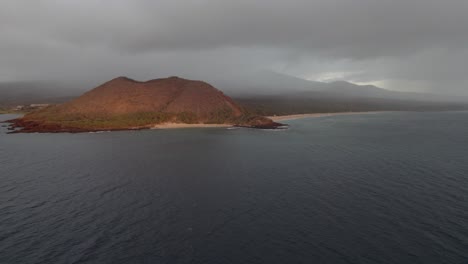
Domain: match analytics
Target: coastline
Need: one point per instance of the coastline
(32, 127)
(300, 116)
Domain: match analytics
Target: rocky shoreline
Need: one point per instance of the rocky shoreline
(21, 125)
(26, 126)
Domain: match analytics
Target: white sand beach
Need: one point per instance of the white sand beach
(181, 125)
(299, 116)
(274, 118)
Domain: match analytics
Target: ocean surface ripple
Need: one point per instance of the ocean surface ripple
(370, 188)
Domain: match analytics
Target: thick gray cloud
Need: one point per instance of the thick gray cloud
(400, 44)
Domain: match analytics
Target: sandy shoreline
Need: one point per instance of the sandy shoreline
(299, 116)
(274, 118)
(180, 125)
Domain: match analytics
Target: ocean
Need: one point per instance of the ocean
(365, 188)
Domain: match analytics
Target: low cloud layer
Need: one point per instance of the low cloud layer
(399, 44)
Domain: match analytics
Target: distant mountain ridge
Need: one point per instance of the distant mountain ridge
(262, 83)
(268, 83)
(261, 93)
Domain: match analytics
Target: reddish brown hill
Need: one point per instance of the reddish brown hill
(123, 103)
(171, 95)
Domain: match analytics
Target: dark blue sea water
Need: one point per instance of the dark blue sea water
(371, 188)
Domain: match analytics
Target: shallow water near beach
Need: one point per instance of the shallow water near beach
(366, 188)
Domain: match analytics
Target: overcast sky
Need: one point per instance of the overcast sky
(398, 44)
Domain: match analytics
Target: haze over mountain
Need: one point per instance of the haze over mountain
(417, 45)
(18, 93)
(268, 83)
(259, 85)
